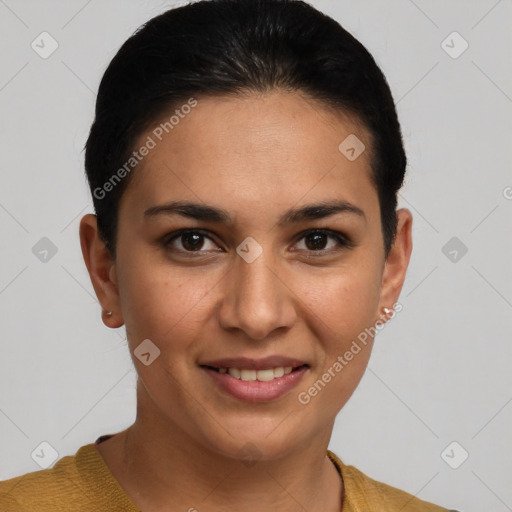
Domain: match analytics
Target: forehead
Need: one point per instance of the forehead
(252, 149)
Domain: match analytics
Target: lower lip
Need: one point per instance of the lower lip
(257, 391)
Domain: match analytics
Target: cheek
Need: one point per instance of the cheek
(166, 304)
(341, 305)
(342, 352)
(344, 299)
(166, 308)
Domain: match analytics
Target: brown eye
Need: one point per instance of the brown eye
(190, 241)
(318, 240)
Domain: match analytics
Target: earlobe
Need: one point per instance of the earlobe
(397, 261)
(101, 268)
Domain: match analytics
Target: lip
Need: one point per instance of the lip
(256, 391)
(254, 364)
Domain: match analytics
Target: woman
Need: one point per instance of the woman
(244, 164)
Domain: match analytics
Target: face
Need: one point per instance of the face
(258, 273)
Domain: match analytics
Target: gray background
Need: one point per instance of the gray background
(440, 371)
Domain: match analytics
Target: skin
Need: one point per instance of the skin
(256, 156)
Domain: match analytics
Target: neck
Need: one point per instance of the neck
(164, 468)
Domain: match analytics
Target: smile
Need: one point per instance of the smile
(255, 385)
(249, 375)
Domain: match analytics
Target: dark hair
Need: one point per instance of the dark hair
(229, 47)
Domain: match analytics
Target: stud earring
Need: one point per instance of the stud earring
(387, 314)
(107, 313)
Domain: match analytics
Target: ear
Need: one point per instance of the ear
(397, 261)
(102, 270)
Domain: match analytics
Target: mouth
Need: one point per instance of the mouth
(251, 375)
(251, 385)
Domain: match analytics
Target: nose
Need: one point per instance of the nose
(257, 299)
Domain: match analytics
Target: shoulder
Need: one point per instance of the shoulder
(362, 493)
(75, 483)
(44, 489)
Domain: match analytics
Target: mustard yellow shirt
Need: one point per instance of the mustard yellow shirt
(84, 483)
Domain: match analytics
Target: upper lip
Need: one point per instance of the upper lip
(254, 364)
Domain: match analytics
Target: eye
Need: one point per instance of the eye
(317, 239)
(197, 241)
(190, 241)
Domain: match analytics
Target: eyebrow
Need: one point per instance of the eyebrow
(213, 214)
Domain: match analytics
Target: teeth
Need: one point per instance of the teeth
(264, 375)
(234, 372)
(248, 375)
(261, 375)
(278, 372)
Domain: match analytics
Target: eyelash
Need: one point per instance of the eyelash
(342, 240)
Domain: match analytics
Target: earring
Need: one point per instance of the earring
(107, 313)
(387, 314)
